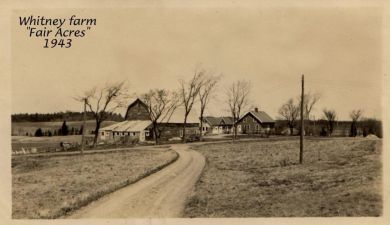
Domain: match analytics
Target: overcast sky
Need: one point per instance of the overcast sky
(338, 50)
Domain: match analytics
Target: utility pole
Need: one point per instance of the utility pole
(84, 128)
(302, 130)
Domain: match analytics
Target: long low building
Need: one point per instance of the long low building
(132, 128)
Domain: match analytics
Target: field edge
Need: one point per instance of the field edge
(68, 210)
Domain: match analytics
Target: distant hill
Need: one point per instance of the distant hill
(59, 116)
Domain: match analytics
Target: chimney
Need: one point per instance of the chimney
(256, 109)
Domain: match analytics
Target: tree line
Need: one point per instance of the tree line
(289, 112)
(60, 116)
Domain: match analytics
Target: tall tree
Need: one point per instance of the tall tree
(290, 111)
(237, 96)
(103, 101)
(161, 105)
(330, 115)
(355, 115)
(188, 92)
(205, 93)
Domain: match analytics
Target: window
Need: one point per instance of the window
(147, 133)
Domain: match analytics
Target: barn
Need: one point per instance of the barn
(138, 125)
(255, 122)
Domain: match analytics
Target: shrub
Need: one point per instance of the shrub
(38, 133)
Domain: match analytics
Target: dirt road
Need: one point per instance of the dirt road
(162, 194)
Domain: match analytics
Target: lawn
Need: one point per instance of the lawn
(52, 186)
(339, 177)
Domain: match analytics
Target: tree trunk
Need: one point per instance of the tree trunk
(291, 130)
(201, 127)
(184, 128)
(155, 135)
(98, 122)
(330, 128)
(234, 129)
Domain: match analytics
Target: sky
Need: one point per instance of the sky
(337, 49)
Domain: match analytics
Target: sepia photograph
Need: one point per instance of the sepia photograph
(196, 112)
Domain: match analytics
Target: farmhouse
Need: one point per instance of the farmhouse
(217, 125)
(137, 125)
(255, 122)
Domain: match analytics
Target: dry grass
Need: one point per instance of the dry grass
(20, 128)
(43, 144)
(340, 177)
(52, 186)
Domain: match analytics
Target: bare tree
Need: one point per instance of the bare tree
(205, 93)
(310, 99)
(330, 116)
(290, 111)
(237, 99)
(355, 115)
(103, 101)
(161, 105)
(188, 92)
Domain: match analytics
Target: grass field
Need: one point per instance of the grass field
(51, 186)
(339, 177)
(43, 144)
(21, 128)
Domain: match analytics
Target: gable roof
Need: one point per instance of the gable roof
(228, 120)
(128, 126)
(215, 121)
(136, 101)
(261, 116)
(212, 121)
(177, 116)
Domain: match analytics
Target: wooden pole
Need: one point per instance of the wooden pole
(302, 130)
(84, 128)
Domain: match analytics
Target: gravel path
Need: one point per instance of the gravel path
(162, 194)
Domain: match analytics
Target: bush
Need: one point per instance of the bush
(372, 126)
(38, 133)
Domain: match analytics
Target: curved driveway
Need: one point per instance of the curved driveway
(162, 194)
